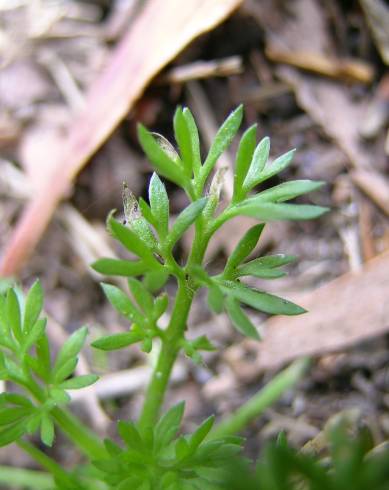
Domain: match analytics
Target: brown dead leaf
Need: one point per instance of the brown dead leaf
(161, 31)
(341, 313)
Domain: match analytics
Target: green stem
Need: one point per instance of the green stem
(171, 341)
(45, 461)
(220, 219)
(200, 244)
(13, 477)
(262, 400)
(167, 357)
(86, 440)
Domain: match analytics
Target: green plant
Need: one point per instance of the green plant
(152, 456)
(352, 463)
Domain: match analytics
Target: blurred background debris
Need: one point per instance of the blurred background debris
(76, 77)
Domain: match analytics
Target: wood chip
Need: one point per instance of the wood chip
(203, 69)
(377, 14)
(375, 185)
(340, 69)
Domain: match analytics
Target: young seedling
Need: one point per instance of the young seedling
(152, 455)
